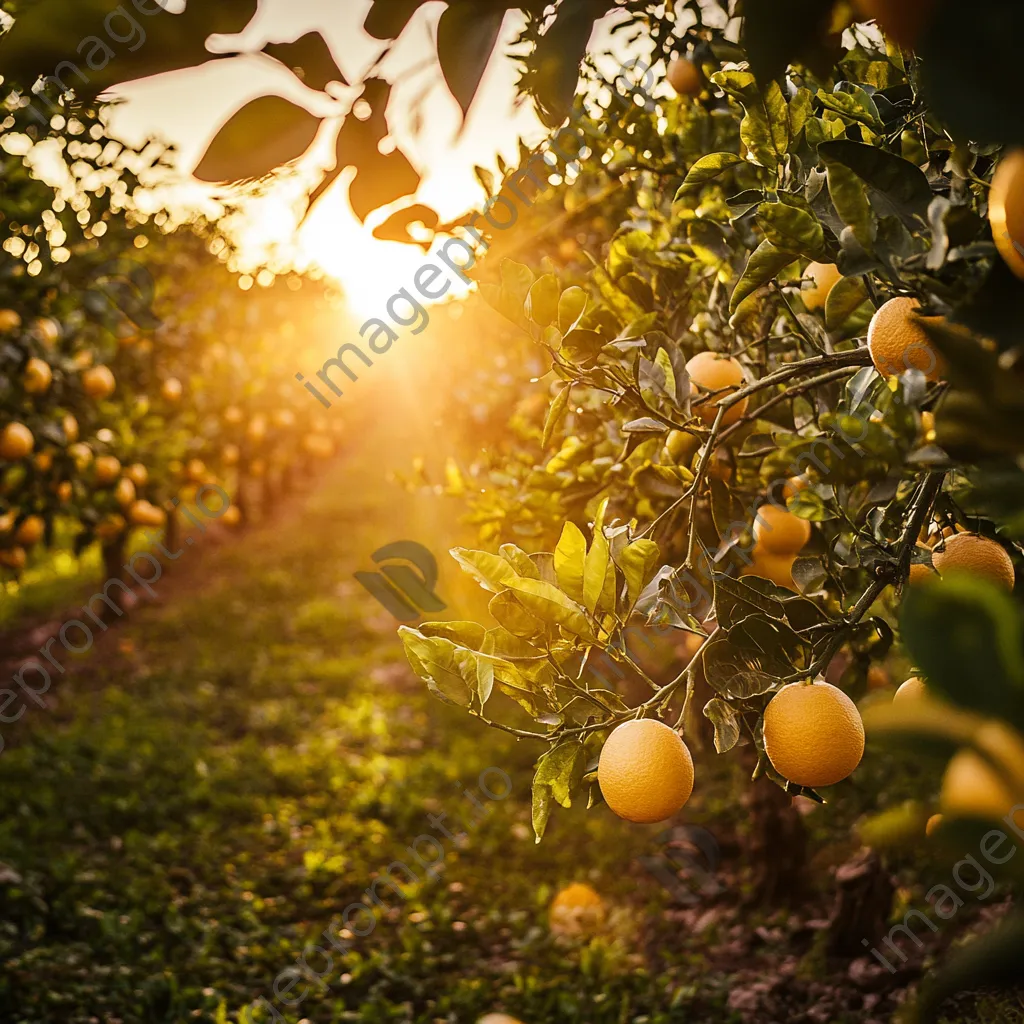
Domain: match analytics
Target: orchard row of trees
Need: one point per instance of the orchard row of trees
(133, 368)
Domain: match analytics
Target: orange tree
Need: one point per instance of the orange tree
(785, 386)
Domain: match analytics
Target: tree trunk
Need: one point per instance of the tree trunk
(863, 905)
(778, 844)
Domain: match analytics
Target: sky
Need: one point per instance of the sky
(187, 107)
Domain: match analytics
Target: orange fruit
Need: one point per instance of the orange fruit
(46, 330)
(878, 678)
(794, 485)
(777, 568)
(30, 531)
(897, 341)
(824, 276)
(813, 734)
(576, 910)
(9, 321)
(13, 558)
(497, 1018)
(137, 473)
(974, 787)
(932, 825)
(38, 376)
(81, 453)
(778, 532)
(98, 382)
(16, 442)
(903, 20)
(914, 689)
(43, 461)
(108, 469)
(7, 520)
(124, 493)
(1006, 210)
(171, 389)
(64, 491)
(110, 527)
(684, 76)
(979, 556)
(645, 771)
(681, 446)
(720, 375)
(145, 513)
(70, 427)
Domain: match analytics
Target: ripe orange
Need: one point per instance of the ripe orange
(13, 558)
(778, 532)
(108, 469)
(904, 20)
(30, 531)
(720, 375)
(64, 491)
(81, 453)
(98, 382)
(932, 825)
(7, 520)
(794, 485)
(920, 571)
(144, 513)
(681, 446)
(974, 788)
(897, 341)
(979, 556)
(38, 376)
(9, 321)
(777, 568)
(171, 389)
(124, 493)
(1006, 209)
(137, 473)
(497, 1018)
(914, 689)
(684, 76)
(16, 442)
(645, 771)
(70, 427)
(43, 461)
(824, 276)
(576, 910)
(46, 330)
(878, 678)
(813, 734)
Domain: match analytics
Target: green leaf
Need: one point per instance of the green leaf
(541, 810)
(597, 566)
(735, 599)
(764, 263)
(845, 297)
(706, 169)
(898, 185)
(966, 637)
(808, 504)
(571, 306)
(542, 300)
(791, 227)
(519, 560)
(466, 34)
(442, 665)
(561, 769)
(764, 129)
(466, 634)
(637, 562)
(549, 604)
(555, 413)
(799, 111)
(509, 613)
(570, 556)
(856, 104)
(726, 723)
(492, 572)
(581, 346)
(850, 198)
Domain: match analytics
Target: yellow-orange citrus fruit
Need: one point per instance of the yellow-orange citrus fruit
(110, 527)
(30, 531)
(81, 453)
(497, 1018)
(681, 446)
(897, 341)
(824, 276)
(903, 20)
(124, 493)
(38, 376)
(144, 513)
(13, 558)
(813, 734)
(1006, 210)
(777, 568)
(972, 787)
(46, 330)
(778, 532)
(99, 382)
(16, 442)
(83, 359)
(576, 910)
(684, 77)
(7, 520)
(920, 572)
(43, 461)
(932, 824)
(913, 689)
(171, 389)
(794, 485)
(108, 469)
(70, 427)
(645, 771)
(137, 473)
(9, 321)
(979, 556)
(64, 491)
(715, 373)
